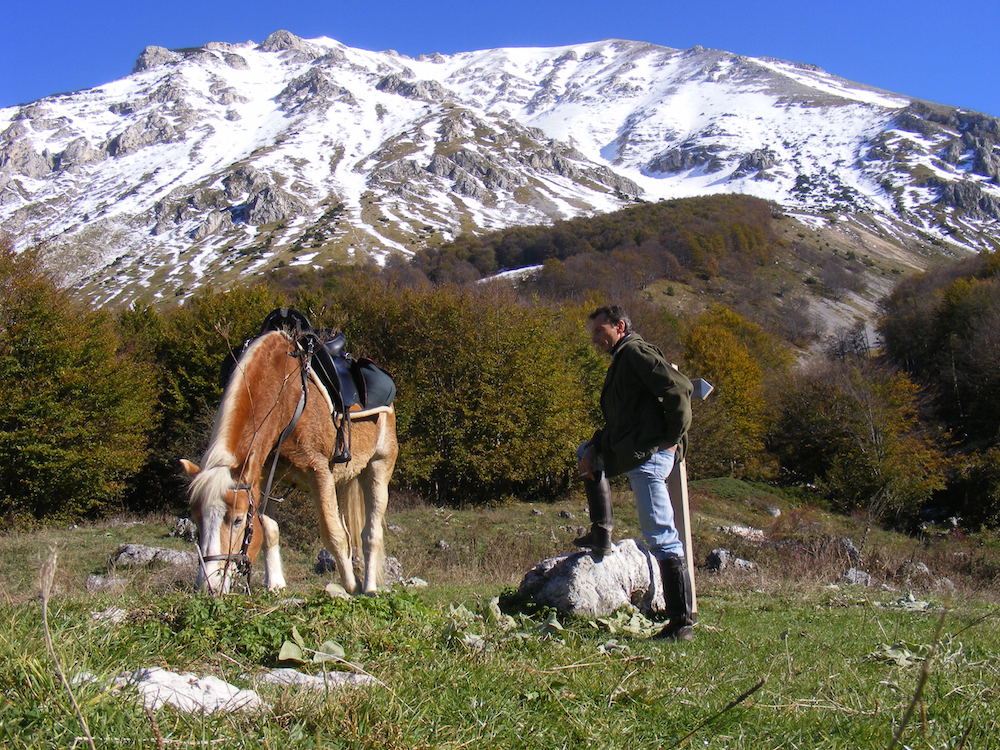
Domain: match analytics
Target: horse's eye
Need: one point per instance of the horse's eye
(237, 522)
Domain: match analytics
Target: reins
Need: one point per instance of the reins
(242, 559)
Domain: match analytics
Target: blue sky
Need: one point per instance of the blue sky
(922, 48)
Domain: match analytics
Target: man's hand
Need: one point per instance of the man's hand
(587, 465)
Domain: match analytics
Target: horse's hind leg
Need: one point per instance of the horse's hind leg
(274, 575)
(331, 526)
(375, 487)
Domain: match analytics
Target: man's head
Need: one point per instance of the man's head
(607, 326)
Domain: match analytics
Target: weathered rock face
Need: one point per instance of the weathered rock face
(312, 90)
(151, 129)
(78, 152)
(269, 205)
(578, 584)
(755, 162)
(281, 40)
(970, 198)
(20, 158)
(291, 47)
(425, 90)
(682, 159)
(243, 181)
(153, 56)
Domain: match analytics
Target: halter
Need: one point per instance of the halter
(242, 558)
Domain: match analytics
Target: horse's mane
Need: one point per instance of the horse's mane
(219, 460)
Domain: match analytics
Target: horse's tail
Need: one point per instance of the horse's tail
(352, 510)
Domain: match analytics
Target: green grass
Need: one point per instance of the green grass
(839, 665)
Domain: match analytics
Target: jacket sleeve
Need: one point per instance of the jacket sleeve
(669, 387)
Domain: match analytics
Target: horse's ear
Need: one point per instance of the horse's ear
(189, 468)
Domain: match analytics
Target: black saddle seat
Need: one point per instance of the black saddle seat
(349, 381)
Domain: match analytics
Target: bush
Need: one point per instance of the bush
(493, 395)
(739, 359)
(75, 409)
(188, 344)
(853, 430)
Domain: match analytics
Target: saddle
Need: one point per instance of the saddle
(352, 384)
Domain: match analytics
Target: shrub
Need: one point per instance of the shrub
(493, 395)
(738, 358)
(853, 429)
(188, 343)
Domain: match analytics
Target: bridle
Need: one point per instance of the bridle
(241, 559)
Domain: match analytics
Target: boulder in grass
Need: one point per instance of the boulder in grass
(857, 577)
(139, 555)
(579, 583)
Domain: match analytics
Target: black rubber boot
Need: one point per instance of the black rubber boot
(676, 593)
(598, 539)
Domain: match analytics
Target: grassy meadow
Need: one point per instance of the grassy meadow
(782, 658)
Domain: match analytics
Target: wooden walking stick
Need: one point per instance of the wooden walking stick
(677, 486)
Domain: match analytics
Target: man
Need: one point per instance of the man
(646, 405)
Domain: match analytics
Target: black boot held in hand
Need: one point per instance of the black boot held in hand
(676, 594)
(598, 539)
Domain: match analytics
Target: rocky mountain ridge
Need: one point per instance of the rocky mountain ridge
(211, 163)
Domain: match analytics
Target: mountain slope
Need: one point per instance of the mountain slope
(212, 163)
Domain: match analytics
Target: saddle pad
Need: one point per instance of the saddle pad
(379, 386)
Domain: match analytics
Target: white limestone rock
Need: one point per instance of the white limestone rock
(578, 583)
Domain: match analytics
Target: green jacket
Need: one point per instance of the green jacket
(646, 405)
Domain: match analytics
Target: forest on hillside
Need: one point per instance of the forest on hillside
(497, 383)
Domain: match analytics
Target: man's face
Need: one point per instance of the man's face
(604, 334)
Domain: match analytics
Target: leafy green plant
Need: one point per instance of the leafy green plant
(296, 650)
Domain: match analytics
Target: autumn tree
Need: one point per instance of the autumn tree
(75, 408)
(187, 344)
(739, 358)
(852, 428)
(493, 395)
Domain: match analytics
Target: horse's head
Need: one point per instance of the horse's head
(221, 508)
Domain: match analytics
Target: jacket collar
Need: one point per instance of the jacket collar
(621, 342)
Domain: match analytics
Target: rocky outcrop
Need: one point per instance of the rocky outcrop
(215, 222)
(313, 90)
(424, 90)
(464, 163)
(238, 62)
(77, 152)
(755, 162)
(243, 181)
(21, 158)
(281, 40)
(153, 128)
(681, 159)
(291, 47)
(970, 198)
(269, 205)
(153, 56)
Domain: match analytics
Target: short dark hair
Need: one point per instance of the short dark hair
(614, 314)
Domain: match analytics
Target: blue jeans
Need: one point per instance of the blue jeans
(652, 501)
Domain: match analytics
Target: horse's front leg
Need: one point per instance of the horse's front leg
(274, 574)
(331, 525)
(375, 487)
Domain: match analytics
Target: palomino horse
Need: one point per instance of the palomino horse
(260, 401)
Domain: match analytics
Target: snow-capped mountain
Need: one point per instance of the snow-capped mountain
(209, 163)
